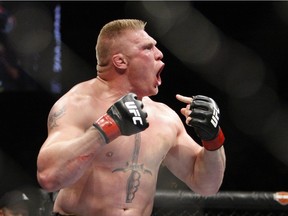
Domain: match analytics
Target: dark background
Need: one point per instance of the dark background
(251, 165)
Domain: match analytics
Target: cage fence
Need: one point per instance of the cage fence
(232, 203)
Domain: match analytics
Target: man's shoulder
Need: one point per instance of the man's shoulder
(79, 88)
(79, 93)
(82, 86)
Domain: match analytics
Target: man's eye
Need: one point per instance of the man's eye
(149, 47)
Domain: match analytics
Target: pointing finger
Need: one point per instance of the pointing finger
(184, 99)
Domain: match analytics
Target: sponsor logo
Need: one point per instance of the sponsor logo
(281, 197)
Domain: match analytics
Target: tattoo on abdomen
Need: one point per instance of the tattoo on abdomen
(136, 169)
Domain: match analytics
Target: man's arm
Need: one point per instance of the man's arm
(201, 168)
(70, 147)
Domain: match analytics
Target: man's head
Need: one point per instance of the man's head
(110, 34)
(128, 55)
(14, 203)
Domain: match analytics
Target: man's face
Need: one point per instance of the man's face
(144, 61)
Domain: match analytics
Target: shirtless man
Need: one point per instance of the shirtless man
(107, 138)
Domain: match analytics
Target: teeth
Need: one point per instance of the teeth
(158, 75)
(159, 78)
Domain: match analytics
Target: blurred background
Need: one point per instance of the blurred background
(234, 52)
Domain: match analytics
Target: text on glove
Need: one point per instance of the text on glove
(131, 106)
(215, 117)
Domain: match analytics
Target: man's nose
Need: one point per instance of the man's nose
(158, 54)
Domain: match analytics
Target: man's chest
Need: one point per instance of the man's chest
(149, 147)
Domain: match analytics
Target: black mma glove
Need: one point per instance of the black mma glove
(205, 120)
(124, 117)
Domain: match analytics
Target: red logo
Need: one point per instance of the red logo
(281, 197)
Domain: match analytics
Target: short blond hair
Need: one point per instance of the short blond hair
(109, 33)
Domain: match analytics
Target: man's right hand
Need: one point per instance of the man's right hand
(124, 117)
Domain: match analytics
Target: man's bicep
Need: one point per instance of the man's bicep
(181, 157)
(62, 125)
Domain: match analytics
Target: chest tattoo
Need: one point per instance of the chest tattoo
(136, 169)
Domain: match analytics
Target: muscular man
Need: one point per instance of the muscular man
(107, 138)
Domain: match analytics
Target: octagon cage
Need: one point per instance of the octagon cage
(232, 203)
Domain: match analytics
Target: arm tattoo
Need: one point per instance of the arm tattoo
(136, 169)
(53, 116)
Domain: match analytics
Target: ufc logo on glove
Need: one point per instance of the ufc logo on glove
(131, 106)
(124, 117)
(215, 118)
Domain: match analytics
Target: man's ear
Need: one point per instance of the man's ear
(119, 61)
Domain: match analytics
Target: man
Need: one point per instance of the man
(15, 203)
(107, 138)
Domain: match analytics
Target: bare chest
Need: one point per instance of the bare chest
(144, 150)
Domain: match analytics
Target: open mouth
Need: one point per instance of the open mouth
(158, 75)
